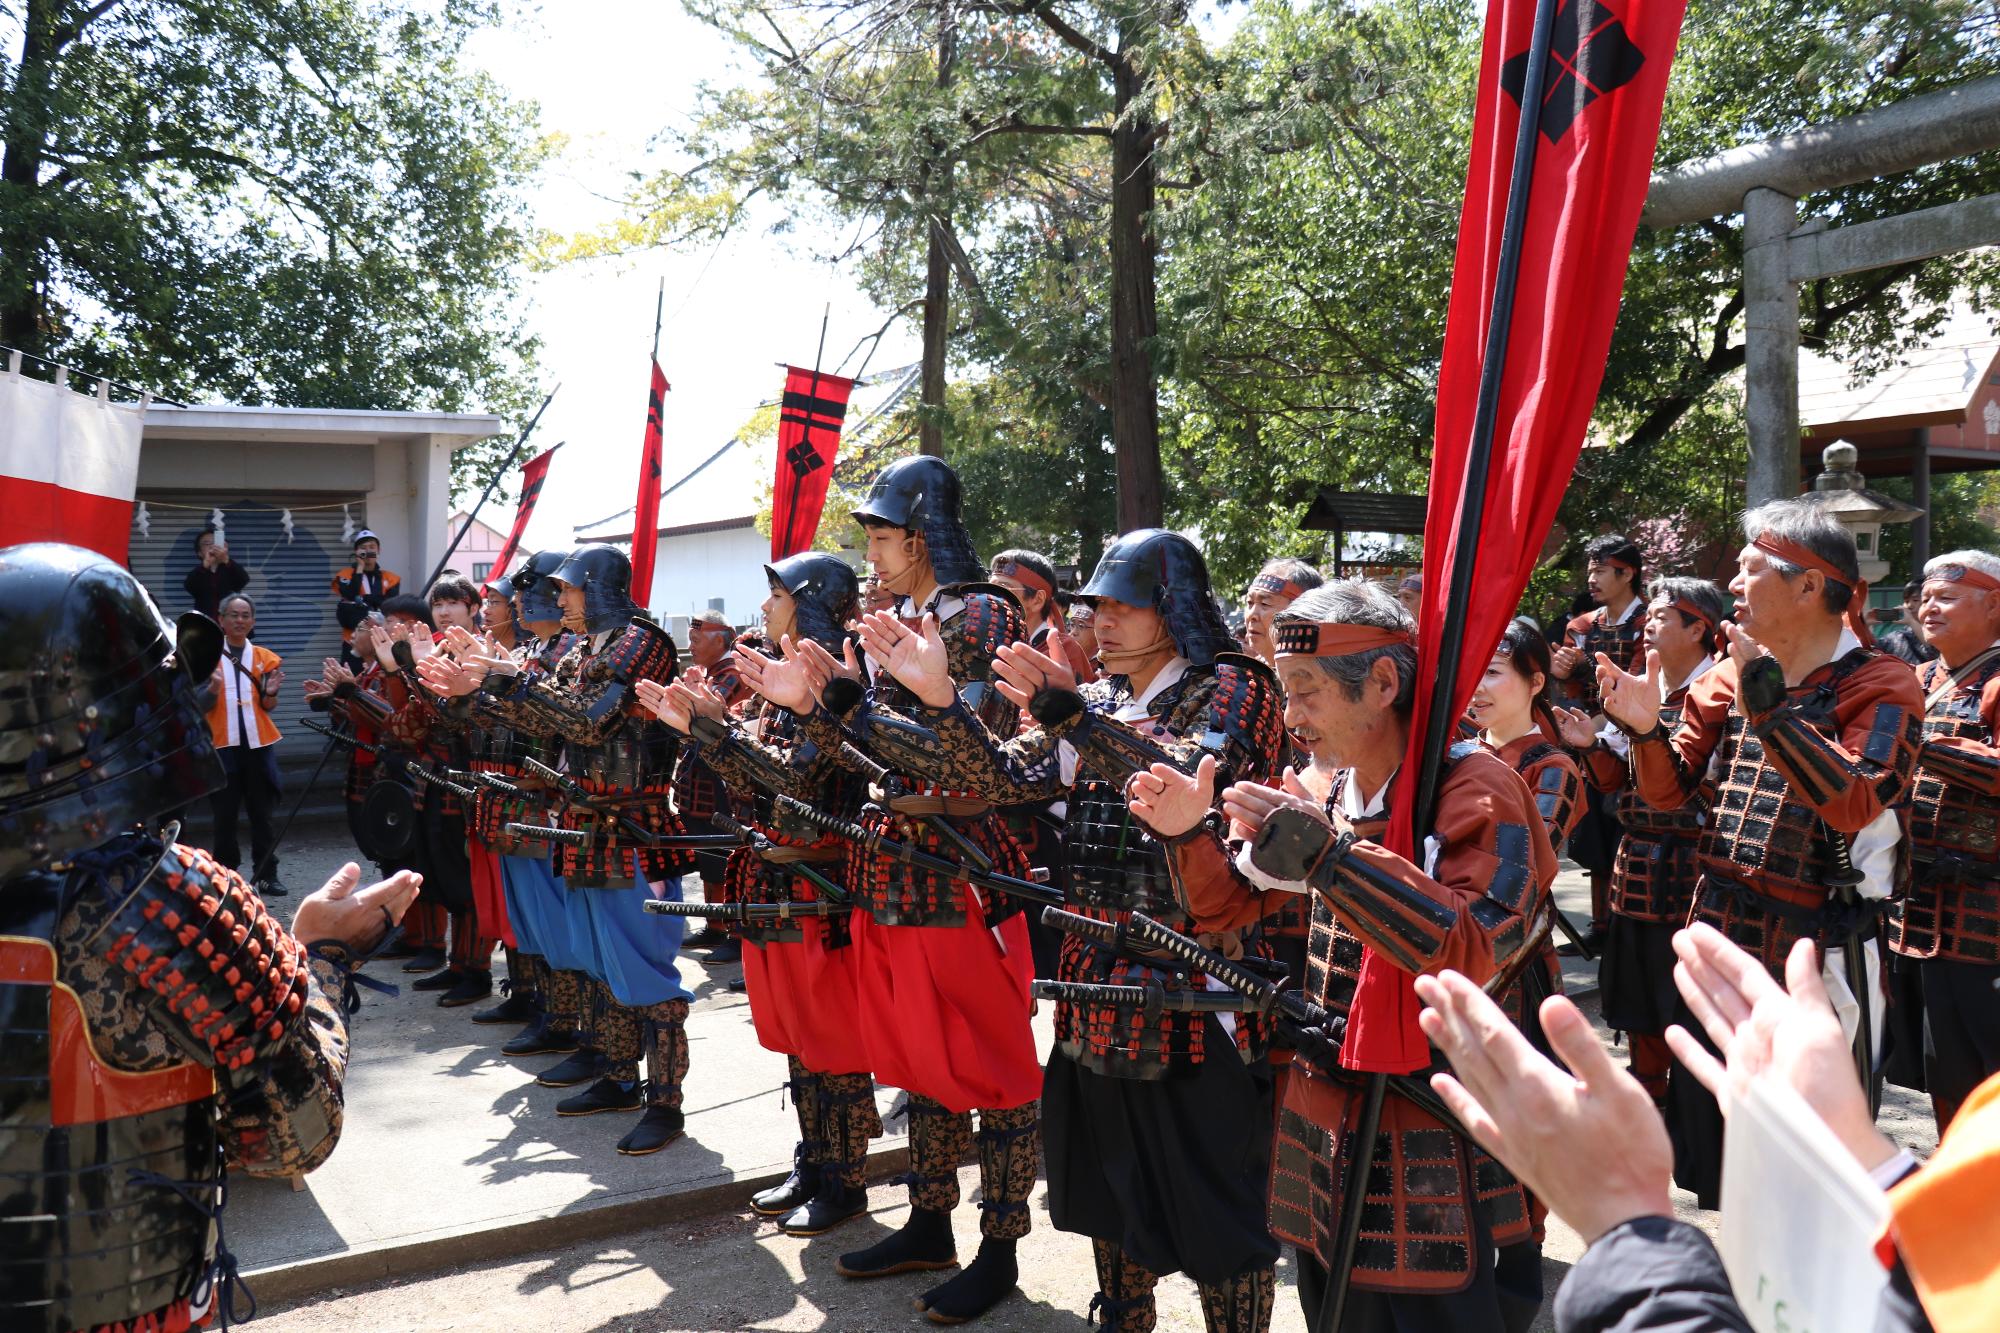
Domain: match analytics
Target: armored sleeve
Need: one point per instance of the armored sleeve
(1216, 895)
(591, 707)
(1581, 688)
(1852, 777)
(1474, 910)
(1604, 769)
(1964, 761)
(1557, 785)
(189, 964)
(1012, 772)
(1670, 767)
(749, 765)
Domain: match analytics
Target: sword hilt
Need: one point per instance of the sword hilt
(428, 778)
(1151, 997)
(538, 833)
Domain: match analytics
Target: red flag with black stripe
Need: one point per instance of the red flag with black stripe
(1597, 124)
(646, 508)
(532, 476)
(809, 418)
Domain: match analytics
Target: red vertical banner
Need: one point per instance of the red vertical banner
(809, 419)
(1597, 124)
(532, 476)
(646, 508)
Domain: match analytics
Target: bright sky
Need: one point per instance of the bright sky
(610, 84)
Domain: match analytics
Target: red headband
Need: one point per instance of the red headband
(1272, 583)
(1857, 589)
(1966, 574)
(1688, 608)
(1305, 638)
(1022, 574)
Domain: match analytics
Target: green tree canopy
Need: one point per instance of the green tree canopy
(297, 202)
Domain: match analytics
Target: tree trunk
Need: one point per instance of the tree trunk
(937, 268)
(24, 125)
(1135, 407)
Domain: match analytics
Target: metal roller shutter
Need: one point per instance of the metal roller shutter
(288, 579)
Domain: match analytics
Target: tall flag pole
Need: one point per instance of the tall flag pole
(809, 419)
(1568, 117)
(520, 441)
(532, 476)
(646, 508)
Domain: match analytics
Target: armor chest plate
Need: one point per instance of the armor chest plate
(1946, 817)
(1756, 826)
(1621, 643)
(636, 757)
(1114, 863)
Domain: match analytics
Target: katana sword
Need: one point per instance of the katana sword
(428, 778)
(1152, 998)
(474, 777)
(748, 912)
(1026, 890)
(578, 794)
(337, 736)
(1845, 881)
(1310, 1029)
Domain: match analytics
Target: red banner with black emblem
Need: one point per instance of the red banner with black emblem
(646, 508)
(809, 417)
(1597, 124)
(532, 477)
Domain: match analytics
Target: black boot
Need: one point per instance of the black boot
(834, 1203)
(516, 1008)
(607, 1094)
(924, 1244)
(581, 1067)
(795, 1190)
(540, 1038)
(523, 1003)
(471, 989)
(660, 1126)
(791, 1193)
(847, 1121)
(449, 979)
(989, 1279)
(425, 960)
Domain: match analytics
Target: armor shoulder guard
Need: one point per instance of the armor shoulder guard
(991, 620)
(218, 965)
(643, 651)
(1244, 722)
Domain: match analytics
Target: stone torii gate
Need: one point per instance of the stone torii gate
(1764, 181)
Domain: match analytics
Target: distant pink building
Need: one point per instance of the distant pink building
(481, 547)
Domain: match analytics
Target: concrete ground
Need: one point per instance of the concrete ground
(459, 1200)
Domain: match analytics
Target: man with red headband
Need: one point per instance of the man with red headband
(1812, 735)
(1032, 580)
(1950, 917)
(1277, 585)
(1652, 879)
(1614, 628)
(1438, 1207)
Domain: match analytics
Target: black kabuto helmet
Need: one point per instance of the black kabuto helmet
(921, 494)
(825, 591)
(1164, 570)
(605, 575)
(531, 584)
(100, 727)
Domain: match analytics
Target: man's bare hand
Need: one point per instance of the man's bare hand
(358, 919)
(1564, 661)
(1168, 801)
(1589, 1144)
(1628, 699)
(1789, 1033)
(785, 680)
(1019, 670)
(1576, 728)
(1249, 804)
(916, 657)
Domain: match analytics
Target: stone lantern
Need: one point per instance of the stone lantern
(1844, 492)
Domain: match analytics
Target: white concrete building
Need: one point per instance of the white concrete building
(292, 485)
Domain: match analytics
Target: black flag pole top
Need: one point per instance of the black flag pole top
(659, 310)
(1471, 514)
(487, 494)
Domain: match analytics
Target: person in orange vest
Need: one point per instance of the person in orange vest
(247, 681)
(362, 587)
